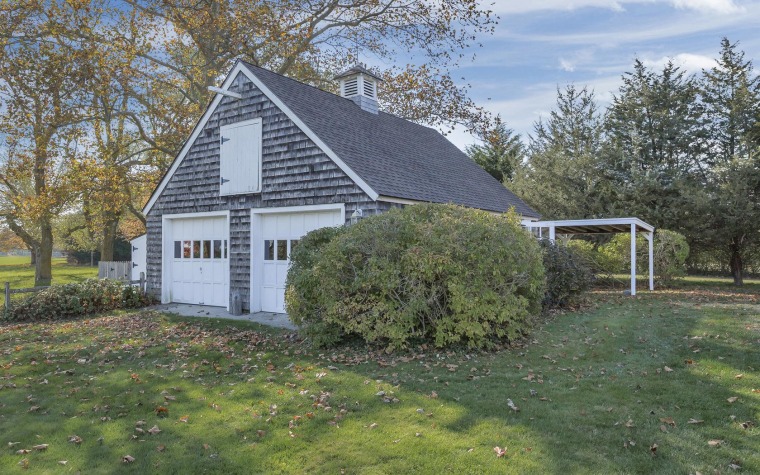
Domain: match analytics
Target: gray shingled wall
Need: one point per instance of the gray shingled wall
(295, 172)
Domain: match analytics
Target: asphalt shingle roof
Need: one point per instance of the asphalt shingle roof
(394, 156)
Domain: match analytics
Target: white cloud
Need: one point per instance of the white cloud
(709, 6)
(513, 7)
(517, 7)
(692, 63)
(654, 29)
(566, 65)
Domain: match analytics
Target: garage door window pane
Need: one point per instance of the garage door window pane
(186, 249)
(196, 249)
(268, 250)
(207, 249)
(218, 249)
(177, 249)
(282, 250)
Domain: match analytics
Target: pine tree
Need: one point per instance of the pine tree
(500, 152)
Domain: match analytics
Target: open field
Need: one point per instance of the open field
(667, 382)
(17, 271)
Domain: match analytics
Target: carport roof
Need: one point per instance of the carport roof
(592, 226)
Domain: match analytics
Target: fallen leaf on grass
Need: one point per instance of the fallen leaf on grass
(24, 463)
(373, 425)
(630, 423)
(739, 376)
(40, 447)
(75, 439)
(127, 459)
(732, 400)
(161, 448)
(500, 452)
(714, 443)
(206, 446)
(22, 452)
(34, 409)
(63, 462)
(668, 370)
(695, 421)
(11, 444)
(184, 418)
(154, 430)
(653, 449)
(668, 420)
(512, 406)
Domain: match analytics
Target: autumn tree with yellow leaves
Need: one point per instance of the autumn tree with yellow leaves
(98, 96)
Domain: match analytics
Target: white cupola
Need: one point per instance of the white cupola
(360, 85)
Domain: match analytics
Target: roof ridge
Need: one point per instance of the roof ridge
(394, 116)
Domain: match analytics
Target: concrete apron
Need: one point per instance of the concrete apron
(278, 320)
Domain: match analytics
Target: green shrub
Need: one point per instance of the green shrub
(438, 273)
(670, 253)
(568, 277)
(81, 298)
(597, 258)
(304, 293)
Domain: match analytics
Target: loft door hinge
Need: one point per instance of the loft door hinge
(225, 139)
(222, 181)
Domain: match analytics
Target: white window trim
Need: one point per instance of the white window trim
(238, 69)
(256, 236)
(260, 145)
(167, 249)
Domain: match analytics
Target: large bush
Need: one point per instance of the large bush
(439, 273)
(598, 259)
(670, 253)
(568, 276)
(82, 298)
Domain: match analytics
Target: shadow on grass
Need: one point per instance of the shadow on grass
(604, 381)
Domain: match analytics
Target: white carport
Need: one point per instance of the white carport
(550, 229)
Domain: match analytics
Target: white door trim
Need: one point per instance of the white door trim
(167, 250)
(257, 253)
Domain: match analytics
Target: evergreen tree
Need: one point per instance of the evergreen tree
(731, 94)
(500, 152)
(560, 177)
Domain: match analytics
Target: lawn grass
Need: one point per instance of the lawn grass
(596, 391)
(17, 271)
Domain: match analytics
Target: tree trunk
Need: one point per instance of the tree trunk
(737, 266)
(43, 272)
(109, 236)
(33, 258)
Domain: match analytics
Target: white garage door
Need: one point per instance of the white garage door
(199, 271)
(280, 234)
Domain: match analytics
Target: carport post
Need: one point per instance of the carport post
(551, 232)
(633, 259)
(650, 238)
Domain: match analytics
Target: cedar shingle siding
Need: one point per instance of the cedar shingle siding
(295, 172)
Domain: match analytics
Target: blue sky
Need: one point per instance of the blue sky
(541, 44)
